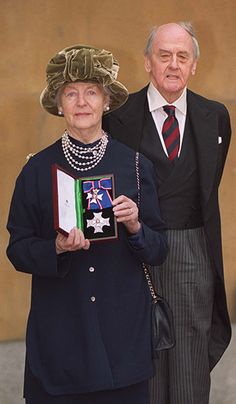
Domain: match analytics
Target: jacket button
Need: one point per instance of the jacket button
(92, 298)
(91, 269)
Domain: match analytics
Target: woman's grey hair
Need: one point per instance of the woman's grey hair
(185, 25)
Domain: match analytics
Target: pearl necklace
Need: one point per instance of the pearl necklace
(89, 156)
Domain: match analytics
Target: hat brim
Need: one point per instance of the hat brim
(118, 96)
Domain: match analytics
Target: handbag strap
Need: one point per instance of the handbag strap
(145, 269)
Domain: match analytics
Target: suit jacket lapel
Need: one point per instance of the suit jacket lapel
(205, 131)
(133, 118)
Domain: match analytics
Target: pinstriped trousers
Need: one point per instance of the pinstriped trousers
(186, 280)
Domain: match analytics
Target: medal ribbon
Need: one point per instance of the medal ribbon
(98, 188)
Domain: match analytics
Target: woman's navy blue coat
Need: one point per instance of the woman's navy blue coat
(76, 343)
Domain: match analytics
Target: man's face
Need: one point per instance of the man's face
(171, 61)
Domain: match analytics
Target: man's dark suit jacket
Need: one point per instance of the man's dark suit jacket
(211, 126)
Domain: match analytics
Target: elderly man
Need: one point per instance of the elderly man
(187, 137)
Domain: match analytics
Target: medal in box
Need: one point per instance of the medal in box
(84, 202)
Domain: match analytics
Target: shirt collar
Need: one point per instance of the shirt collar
(156, 101)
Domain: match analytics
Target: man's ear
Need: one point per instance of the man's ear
(147, 64)
(194, 67)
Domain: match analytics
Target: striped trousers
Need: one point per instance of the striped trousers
(186, 280)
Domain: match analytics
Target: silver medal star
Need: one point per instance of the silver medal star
(98, 222)
(94, 196)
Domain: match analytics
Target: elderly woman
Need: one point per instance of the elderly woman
(88, 334)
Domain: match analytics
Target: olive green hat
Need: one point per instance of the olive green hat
(82, 63)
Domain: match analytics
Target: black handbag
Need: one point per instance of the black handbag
(162, 321)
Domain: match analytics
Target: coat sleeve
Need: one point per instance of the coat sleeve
(153, 248)
(31, 249)
(224, 132)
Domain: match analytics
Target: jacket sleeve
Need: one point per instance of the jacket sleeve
(224, 132)
(30, 249)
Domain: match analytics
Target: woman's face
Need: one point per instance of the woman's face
(83, 105)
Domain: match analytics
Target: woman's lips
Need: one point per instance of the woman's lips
(82, 114)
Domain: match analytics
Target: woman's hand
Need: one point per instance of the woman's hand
(75, 241)
(126, 212)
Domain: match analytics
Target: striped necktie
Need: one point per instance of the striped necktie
(170, 132)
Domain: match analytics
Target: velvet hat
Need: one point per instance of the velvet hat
(82, 63)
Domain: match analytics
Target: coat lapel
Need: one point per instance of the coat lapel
(205, 130)
(132, 116)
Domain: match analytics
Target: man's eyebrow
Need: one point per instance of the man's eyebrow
(182, 52)
(165, 50)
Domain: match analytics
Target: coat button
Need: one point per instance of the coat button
(92, 298)
(91, 269)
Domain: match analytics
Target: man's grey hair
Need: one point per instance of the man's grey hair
(185, 25)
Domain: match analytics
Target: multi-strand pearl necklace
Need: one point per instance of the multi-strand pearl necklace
(83, 158)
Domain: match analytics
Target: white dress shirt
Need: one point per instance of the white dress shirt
(156, 103)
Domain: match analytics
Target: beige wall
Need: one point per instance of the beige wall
(32, 31)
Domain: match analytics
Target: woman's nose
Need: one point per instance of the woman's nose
(81, 100)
